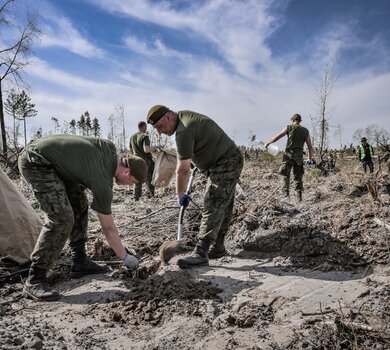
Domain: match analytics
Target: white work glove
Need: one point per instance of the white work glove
(130, 262)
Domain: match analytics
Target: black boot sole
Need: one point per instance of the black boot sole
(184, 265)
(79, 274)
(217, 255)
(28, 295)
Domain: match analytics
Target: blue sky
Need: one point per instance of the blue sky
(248, 64)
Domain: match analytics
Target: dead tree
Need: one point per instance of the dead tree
(321, 100)
(14, 51)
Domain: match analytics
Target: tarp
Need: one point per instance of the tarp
(164, 167)
(20, 225)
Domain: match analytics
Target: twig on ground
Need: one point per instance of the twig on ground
(318, 313)
(18, 297)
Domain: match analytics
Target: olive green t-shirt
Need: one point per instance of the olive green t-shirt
(85, 160)
(137, 142)
(296, 137)
(200, 138)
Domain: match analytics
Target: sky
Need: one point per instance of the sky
(248, 64)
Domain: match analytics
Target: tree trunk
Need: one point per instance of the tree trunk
(2, 124)
(25, 133)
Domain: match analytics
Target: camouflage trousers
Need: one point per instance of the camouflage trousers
(148, 180)
(219, 198)
(294, 161)
(65, 206)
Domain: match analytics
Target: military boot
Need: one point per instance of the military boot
(298, 195)
(37, 288)
(81, 264)
(198, 257)
(217, 249)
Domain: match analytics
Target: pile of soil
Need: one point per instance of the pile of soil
(160, 296)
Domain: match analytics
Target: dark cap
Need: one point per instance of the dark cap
(137, 167)
(363, 139)
(296, 117)
(156, 113)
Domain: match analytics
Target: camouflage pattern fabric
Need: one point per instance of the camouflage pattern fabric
(148, 180)
(219, 197)
(292, 160)
(65, 206)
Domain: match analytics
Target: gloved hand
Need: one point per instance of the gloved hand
(130, 262)
(184, 199)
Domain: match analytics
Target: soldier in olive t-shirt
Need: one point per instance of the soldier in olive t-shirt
(297, 136)
(140, 146)
(200, 138)
(201, 141)
(59, 168)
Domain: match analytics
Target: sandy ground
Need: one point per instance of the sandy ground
(314, 275)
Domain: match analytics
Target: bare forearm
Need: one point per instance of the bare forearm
(112, 235)
(277, 137)
(182, 177)
(115, 242)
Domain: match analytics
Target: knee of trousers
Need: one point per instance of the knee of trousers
(62, 222)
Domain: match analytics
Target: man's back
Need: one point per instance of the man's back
(297, 136)
(137, 142)
(84, 160)
(200, 138)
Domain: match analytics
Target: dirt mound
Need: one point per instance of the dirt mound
(162, 295)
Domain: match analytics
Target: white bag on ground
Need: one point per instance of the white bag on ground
(164, 168)
(20, 225)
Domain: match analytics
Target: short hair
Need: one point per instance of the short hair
(141, 124)
(296, 117)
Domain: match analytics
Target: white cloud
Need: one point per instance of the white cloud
(237, 28)
(59, 31)
(260, 100)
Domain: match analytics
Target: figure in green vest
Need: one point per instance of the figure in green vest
(297, 136)
(365, 154)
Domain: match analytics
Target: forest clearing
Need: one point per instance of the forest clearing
(309, 275)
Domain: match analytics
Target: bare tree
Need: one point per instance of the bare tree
(122, 133)
(14, 50)
(111, 132)
(321, 100)
(338, 132)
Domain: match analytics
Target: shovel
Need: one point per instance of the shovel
(171, 248)
(183, 207)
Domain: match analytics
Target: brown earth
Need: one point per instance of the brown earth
(310, 275)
